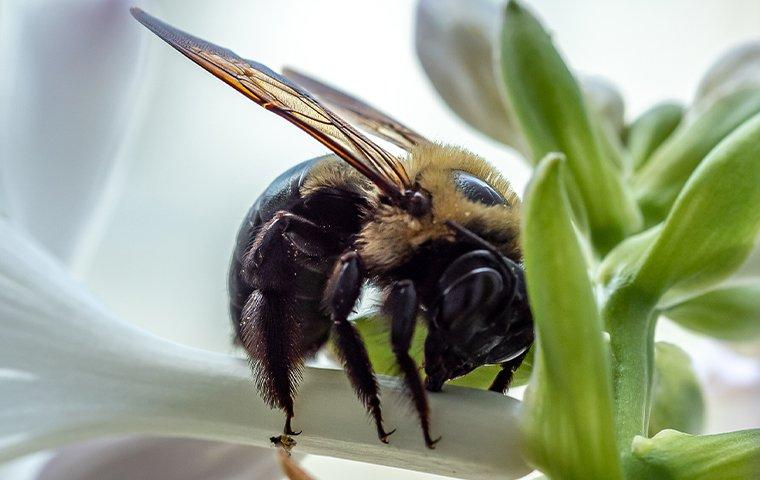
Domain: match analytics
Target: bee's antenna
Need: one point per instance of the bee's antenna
(473, 237)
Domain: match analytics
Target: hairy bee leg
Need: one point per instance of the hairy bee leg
(288, 230)
(401, 306)
(504, 377)
(270, 335)
(270, 325)
(342, 291)
(502, 380)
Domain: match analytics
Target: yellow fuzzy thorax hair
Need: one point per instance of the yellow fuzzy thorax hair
(392, 235)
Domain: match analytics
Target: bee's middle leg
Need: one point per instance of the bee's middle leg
(343, 289)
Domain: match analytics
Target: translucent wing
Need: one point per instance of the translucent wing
(358, 112)
(281, 96)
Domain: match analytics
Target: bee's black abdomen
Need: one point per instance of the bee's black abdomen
(285, 251)
(334, 211)
(284, 190)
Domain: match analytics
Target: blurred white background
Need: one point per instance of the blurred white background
(201, 153)
(198, 153)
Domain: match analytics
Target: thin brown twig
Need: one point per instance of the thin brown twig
(291, 468)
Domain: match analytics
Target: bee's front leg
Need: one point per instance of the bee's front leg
(401, 306)
(504, 377)
(343, 289)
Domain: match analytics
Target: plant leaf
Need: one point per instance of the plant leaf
(674, 455)
(677, 401)
(619, 263)
(568, 424)
(374, 332)
(658, 183)
(714, 222)
(736, 69)
(728, 312)
(651, 129)
(552, 113)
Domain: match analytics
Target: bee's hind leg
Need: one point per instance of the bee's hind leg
(271, 324)
(343, 289)
(401, 306)
(269, 332)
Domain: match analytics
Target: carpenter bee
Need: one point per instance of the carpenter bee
(437, 230)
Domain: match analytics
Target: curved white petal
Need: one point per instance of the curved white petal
(736, 69)
(69, 91)
(606, 99)
(70, 371)
(751, 267)
(25, 468)
(457, 45)
(164, 458)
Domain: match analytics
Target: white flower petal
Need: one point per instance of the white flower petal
(737, 69)
(751, 267)
(164, 458)
(606, 99)
(71, 73)
(458, 45)
(25, 468)
(73, 372)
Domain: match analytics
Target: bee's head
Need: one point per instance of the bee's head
(448, 184)
(481, 317)
(464, 188)
(416, 202)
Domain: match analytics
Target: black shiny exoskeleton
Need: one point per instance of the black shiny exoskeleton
(295, 275)
(436, 229)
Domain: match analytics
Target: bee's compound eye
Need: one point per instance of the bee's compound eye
(477, 190)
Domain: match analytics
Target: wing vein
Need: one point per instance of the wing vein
(279, 95)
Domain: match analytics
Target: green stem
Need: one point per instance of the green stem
(630, 318)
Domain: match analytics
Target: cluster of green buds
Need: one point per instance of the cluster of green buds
(623, 223)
